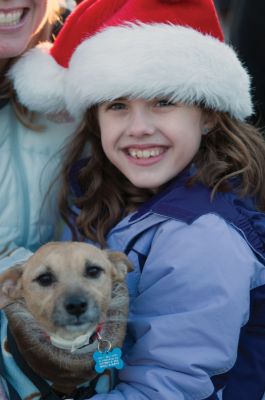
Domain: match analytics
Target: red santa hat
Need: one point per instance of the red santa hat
(140, 48)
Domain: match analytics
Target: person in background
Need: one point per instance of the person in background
(29, 144)
(224, 11)
(243, 22)
(247, 31)
(223, 7)
(175, 178)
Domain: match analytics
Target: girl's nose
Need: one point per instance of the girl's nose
(140, 123)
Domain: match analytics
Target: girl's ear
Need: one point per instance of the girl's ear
(10, 285)
(209, 121)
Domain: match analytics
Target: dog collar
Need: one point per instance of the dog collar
(78, 343)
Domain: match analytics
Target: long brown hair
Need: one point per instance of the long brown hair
(6, 90)
(232, 149)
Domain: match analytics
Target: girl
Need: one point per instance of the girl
(174, 180)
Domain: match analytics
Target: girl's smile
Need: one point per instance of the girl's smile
(150, 142)
(145, 155)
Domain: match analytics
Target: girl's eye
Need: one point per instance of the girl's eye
(117, 106)
(164, 103)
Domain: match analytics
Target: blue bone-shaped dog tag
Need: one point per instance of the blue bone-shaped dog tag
(108, 359)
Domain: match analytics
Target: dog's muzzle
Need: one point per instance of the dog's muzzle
(75, 310)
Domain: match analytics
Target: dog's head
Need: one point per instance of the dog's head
(67, 287)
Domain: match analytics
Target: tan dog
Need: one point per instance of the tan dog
(58, 300)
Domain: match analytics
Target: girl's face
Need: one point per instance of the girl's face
(150, 142)
(19, 21)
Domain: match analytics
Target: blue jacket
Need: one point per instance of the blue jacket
(198, 272)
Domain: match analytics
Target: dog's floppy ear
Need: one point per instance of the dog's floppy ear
(10, 285)
(121, 263)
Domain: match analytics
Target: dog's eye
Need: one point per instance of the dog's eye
(93, 271)
(46, 279)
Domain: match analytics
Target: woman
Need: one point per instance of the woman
(29, 144)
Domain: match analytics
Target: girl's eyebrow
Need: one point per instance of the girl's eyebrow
(119, 99)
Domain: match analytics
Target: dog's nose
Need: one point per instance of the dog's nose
(76, 305)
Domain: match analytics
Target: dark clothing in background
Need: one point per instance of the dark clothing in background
(222, 5)
(247, 36)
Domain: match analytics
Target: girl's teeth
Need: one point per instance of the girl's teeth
(10, 18)
(133, 153)
(144, 153)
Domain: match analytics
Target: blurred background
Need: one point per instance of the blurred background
(243, 22)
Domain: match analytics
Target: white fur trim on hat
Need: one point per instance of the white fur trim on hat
(137, 60)
(154, 60)
(39, 81)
